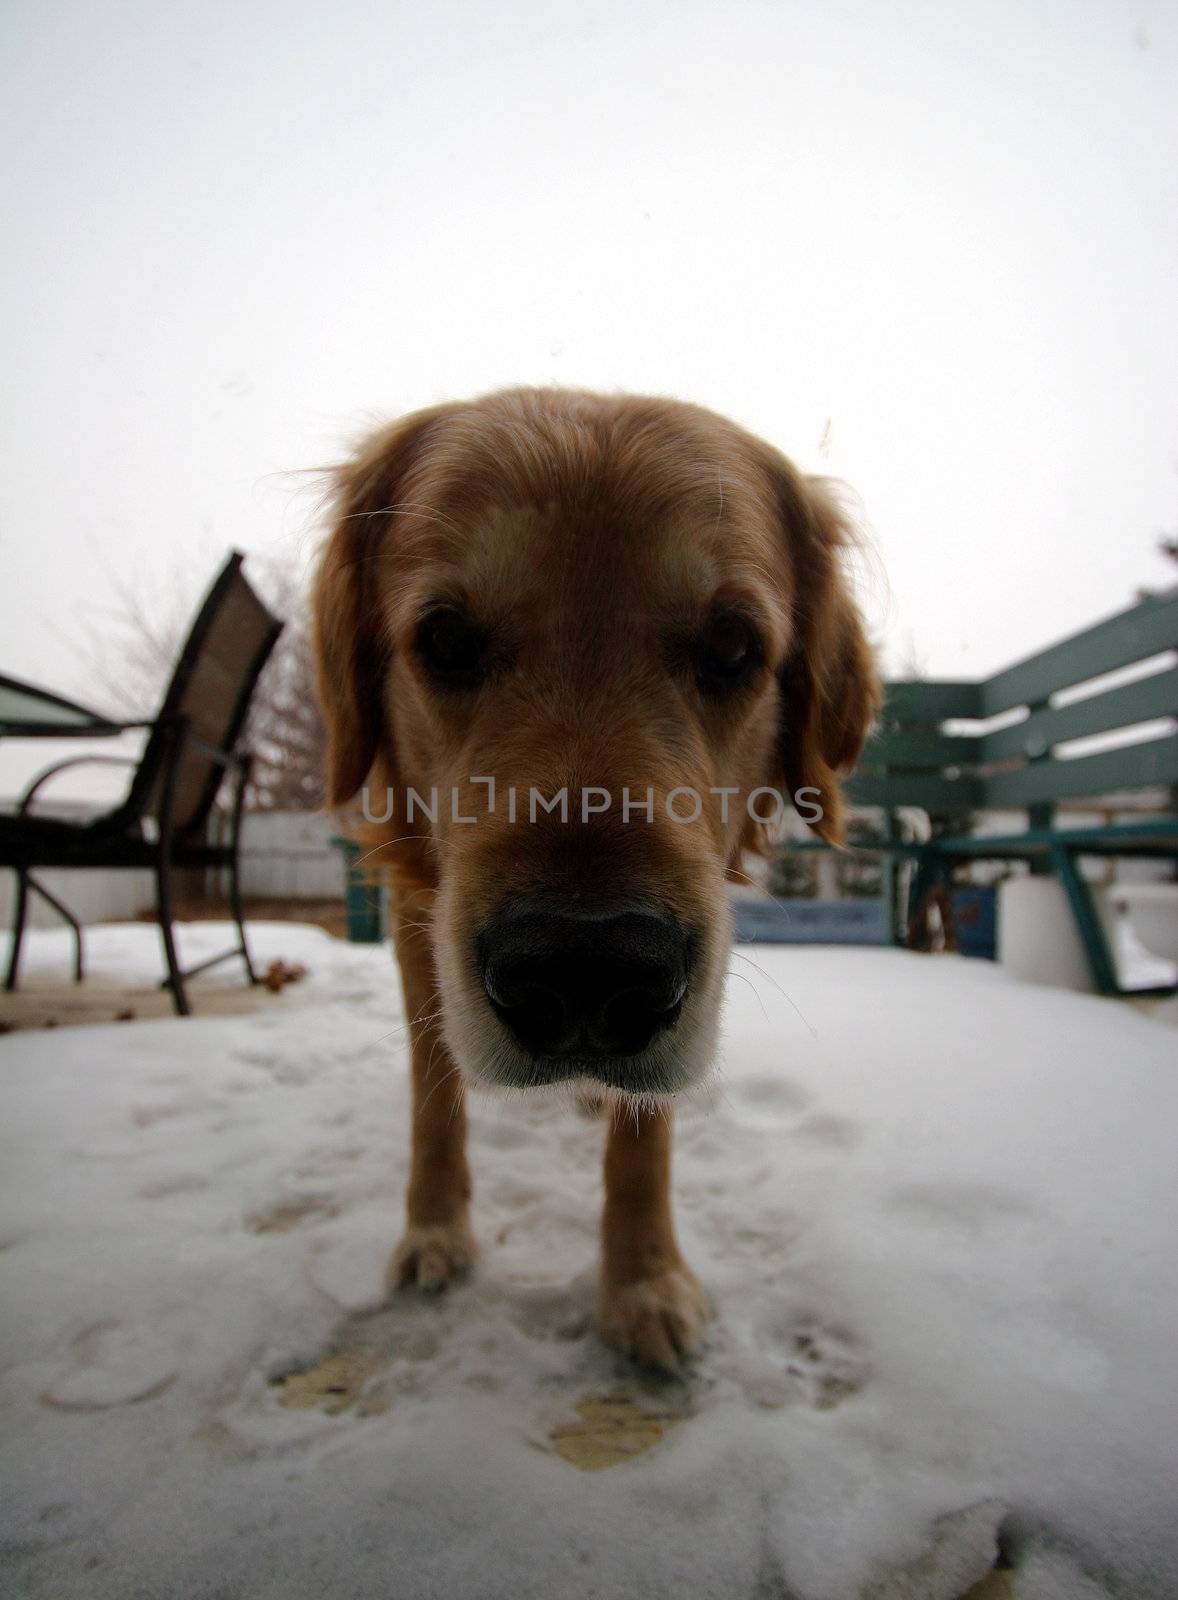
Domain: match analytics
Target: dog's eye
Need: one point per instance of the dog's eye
(727, 651)
(453, 649)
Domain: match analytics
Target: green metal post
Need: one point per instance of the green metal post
(1088, 923)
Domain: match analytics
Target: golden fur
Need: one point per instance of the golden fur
(589, 537)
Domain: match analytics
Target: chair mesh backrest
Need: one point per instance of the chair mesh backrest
(211, 688)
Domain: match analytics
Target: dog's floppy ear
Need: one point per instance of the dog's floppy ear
(830, 689)
(352, 651)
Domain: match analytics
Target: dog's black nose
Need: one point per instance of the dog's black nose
(586, 979)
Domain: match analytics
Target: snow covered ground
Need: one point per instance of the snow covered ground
(935, 1208)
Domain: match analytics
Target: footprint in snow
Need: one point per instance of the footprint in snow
(295, 1072)
(965, 1206)
(828, 1132)
(369, 1363)
(167, 1188)
(328, 1163)
(110, 1365)
(769, 1093)
(148, 1116)
(820, 1365)
(288, 1213)
(561, 1313)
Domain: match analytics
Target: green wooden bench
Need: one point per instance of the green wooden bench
(954, 749)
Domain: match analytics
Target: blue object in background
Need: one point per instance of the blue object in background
(975, 921)
(811, 921)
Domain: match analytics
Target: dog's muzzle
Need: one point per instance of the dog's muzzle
(584, 981)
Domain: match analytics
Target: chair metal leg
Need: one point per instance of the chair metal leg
(26, 885)
(236, 906)
(20, 911)
(66, 915)
(175, 978)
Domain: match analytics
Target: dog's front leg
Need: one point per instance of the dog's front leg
(651, 1304)
(437, 1243)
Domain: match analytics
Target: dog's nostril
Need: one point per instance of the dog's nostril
(629, 1020)
(533, 1009)
(591, 981)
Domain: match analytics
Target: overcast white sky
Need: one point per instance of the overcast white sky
(236, 233)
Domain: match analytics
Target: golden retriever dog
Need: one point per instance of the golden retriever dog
(572, 649)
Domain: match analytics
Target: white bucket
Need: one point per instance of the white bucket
(1152, 911)
(1037, 935)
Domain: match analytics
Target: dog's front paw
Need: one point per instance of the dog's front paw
(432, 1255)
(659, 1321)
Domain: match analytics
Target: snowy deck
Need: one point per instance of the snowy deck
(936, 1211)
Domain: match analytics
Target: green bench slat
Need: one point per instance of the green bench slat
(1143, 630)
(1151, 837)
(1139, 766)
(929, 792)
(1157, 836)
(931, 700)
(1142, 701)
(920, 747)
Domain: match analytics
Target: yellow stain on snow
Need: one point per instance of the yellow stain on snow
(609, 1432)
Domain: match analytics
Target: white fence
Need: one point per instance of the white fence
(91, 896)
(288, 855)
(285, 855)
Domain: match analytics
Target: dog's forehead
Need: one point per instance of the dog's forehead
(511, 514)
(503, 547)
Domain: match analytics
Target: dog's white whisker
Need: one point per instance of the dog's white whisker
(445, 1078)
(769, 978)
(755, 990)
(387, 844)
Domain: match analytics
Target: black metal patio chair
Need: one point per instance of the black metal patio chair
(165, 822)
